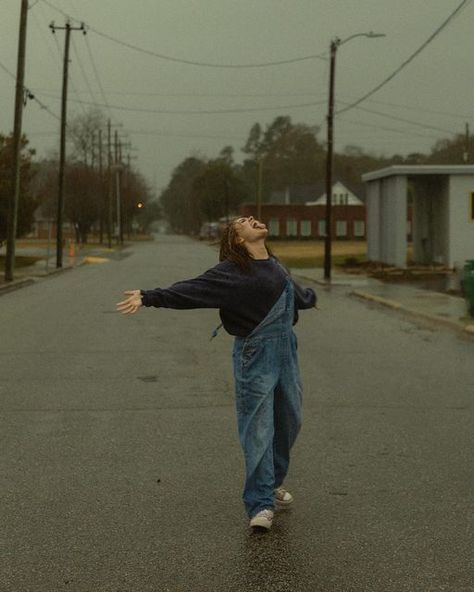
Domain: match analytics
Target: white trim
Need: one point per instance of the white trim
(419, 169)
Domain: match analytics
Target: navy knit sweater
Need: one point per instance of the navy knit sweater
(243, 299)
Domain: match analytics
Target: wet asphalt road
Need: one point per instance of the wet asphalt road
(120, 464)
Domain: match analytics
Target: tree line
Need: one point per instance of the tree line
(86, 185)
(288, 154)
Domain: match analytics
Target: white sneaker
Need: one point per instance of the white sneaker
(263, 519)
(283, 498)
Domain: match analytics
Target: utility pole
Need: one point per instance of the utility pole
(120, 185)
(101, 203)
(329, 160)
(226, 199)
(259, 186)
(62, 152)
(92, 149)
(109, 184)
(117, 187)
(466, 152)
(16, 146)
(335, 44)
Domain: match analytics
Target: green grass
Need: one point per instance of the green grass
(318, 260)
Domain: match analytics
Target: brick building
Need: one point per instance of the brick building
(300, 221)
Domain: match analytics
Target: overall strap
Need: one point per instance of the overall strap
(215, 332)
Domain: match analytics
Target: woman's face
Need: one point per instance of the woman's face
(249, 230)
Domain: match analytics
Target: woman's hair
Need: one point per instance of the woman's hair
(234, 251)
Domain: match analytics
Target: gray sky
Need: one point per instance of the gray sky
(436, 89)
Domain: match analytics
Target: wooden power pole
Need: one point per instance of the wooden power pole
(62, 151)
(16, 146)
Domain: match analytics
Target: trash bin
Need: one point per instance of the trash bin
(468, 286)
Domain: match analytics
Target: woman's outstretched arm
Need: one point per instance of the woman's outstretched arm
(212, 289)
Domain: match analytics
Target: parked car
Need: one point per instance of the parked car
(209, 231)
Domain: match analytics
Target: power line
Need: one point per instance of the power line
(76, 53)
(96, 73)
(268, 95)
(194, 95)
(422, 109)
(403, 120)
(197, 112)
(390, 129)
(186, 61)
(407, 61)
(29, 94)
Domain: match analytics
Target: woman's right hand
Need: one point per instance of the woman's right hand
(131, 304)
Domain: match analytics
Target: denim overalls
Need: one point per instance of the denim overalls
(268, 400)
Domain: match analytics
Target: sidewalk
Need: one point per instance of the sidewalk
(435, 307)
(46, 267)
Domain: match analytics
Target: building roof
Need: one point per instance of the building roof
(419, 169)
(300, 194)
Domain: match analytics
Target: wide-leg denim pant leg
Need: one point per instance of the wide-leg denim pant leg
(287, 408)
(268, 402)
(255, 382)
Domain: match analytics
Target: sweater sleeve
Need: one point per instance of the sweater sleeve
(212, 289)
(304, 297)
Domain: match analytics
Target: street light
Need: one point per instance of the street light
(335, 43)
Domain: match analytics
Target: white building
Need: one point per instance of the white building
(341, 196)
(443, 214)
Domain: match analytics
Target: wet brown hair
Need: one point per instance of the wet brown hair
(233, 251)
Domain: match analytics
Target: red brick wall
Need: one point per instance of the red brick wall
(314, 214)
(301, 212)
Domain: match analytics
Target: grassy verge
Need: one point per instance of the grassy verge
(298, 254)
(20, 261)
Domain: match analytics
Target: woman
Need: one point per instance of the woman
(258, 303)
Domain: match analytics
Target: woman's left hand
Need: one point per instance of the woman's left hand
(131, 304)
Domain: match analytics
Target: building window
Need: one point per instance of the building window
(274, 227)
(472, 206)
(341, 228)
(322, 227)
(409, 227)
(291, 227)
(305, 227)
(359, 228)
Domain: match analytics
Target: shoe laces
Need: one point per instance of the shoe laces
(266, 513)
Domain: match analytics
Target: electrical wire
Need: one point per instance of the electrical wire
(81, 67)
(269, 95)
(408, 132)
(420, 109)
(404, 120)
(407, 61)
(166, 134)
(96, 73)
(195, 95)
(162, 56)
(30, 94)
(196, 112)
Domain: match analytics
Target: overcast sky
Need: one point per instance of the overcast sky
(434, 90)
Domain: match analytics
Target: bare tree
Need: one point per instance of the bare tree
(83, 132)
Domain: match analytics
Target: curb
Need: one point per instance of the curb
(469, 329)
(27, 281)
(16, 285)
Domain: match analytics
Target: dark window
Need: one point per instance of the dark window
(472, 205)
